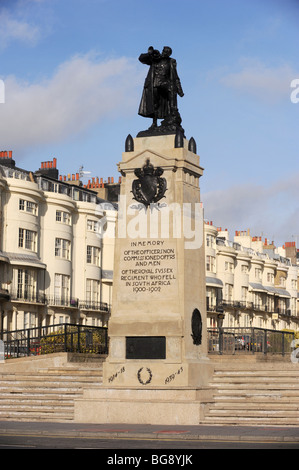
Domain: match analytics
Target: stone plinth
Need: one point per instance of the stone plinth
(180, 406)
(157, 369)
(159, 274)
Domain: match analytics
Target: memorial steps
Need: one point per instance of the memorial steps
(239, 393)
(251, 393)
(44, 393)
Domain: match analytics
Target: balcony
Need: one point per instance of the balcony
(78, 304)
(242, 305)
(28, 297)
(62, 302)
(93, 305)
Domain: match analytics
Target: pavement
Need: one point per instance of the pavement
(271, 434)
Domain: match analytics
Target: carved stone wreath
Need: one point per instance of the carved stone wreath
(144, 382)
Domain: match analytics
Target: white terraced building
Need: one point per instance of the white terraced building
(251, 283)
(55, 267)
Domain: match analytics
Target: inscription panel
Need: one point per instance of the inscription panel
(145, 347)
(149, 266)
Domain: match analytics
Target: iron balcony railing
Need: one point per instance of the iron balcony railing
(32, 297)
(93, 305)
(62, 337)
(249, 340)
(28, 296)
(62, 301)
(246, 305)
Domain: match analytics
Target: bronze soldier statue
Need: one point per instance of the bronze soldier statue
(161, 87)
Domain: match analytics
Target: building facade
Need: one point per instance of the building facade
(249, 283)
(55, 264)
(57, 254)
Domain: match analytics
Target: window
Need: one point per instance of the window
(76, 195)
(93, 255)
(21, 205)
(62, 248)
(63, 217)
(244, 293)
(293, 306)
(62, 288)
(229, 267)
(31, 207)
(258, 273)
(257, 300)
(210, 263)
(270, 277)
(211, 297)
(228, 292)
(28, 206)
(270, 303)
(30, 320)
(92, 290)
(27, 239)
(210, 240)
(26, 284)
(282, 281)
(92, 225)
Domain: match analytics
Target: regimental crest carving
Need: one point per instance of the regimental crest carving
(196, 327)
(149, 187)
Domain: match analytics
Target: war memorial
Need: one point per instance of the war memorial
(161, 365)
(157, 366)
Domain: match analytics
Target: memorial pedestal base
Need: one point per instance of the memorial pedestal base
(150, 405)
(157, 370)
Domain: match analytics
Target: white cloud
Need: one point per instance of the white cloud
(271, 210)
(14, 29)
(270, 84)
(82, 91)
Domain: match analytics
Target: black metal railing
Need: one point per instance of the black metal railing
(62, 301)
(93, 305)
(63, 337)
(57, 301)
(249, 340)
(28, 296)
(245, 305)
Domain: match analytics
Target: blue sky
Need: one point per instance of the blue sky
(73, 85)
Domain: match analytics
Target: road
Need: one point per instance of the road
(123, 445)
